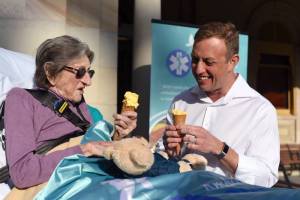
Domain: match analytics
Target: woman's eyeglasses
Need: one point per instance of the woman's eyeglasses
(79, 73)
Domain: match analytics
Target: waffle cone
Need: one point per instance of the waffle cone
(127, 108)
(179, 119)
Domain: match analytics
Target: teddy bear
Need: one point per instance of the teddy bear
(134, 157)
(131, 155)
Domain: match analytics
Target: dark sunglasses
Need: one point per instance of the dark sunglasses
(79, 73)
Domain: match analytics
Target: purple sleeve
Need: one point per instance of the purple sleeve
(26, 168)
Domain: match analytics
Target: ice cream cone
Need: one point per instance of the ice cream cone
(179, 118)
(127, 108)
(130, 101)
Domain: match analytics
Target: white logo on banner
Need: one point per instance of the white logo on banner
(179, 62)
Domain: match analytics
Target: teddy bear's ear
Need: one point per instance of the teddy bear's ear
(141, 140)
(142, 160)
(131, 155)
(134, 162)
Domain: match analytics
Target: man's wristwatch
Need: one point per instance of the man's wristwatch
(224, 151)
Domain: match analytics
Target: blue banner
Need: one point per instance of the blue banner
(171, 66)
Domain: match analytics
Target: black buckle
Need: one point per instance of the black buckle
(60, 106)
(2, 139)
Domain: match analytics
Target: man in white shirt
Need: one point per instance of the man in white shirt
(228, 122)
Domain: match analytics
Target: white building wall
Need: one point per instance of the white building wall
(25, 24)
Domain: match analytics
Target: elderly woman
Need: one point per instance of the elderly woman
(63, 69)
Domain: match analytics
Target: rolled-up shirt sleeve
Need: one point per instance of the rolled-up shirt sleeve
(255, 172)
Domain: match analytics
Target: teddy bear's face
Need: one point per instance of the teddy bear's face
(131, 155)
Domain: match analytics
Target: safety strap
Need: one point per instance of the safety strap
(43, 149)
(2, 115)
(2, 134)
(61, 108)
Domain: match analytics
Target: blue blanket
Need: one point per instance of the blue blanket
(78, 177)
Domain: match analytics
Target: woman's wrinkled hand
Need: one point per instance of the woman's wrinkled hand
(125, 122)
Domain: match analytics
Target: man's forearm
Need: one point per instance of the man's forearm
(227, 156)
(230, 161)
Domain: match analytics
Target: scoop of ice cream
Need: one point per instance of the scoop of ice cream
(178, 112)
(131, 99)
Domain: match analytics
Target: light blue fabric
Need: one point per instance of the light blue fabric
(78, 177)
(95, 113)
(99, 131)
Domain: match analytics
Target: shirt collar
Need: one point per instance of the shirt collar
(239, 89)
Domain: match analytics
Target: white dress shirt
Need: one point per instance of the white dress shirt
(243, 119)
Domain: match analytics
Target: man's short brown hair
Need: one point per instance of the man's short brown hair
(226, 31)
